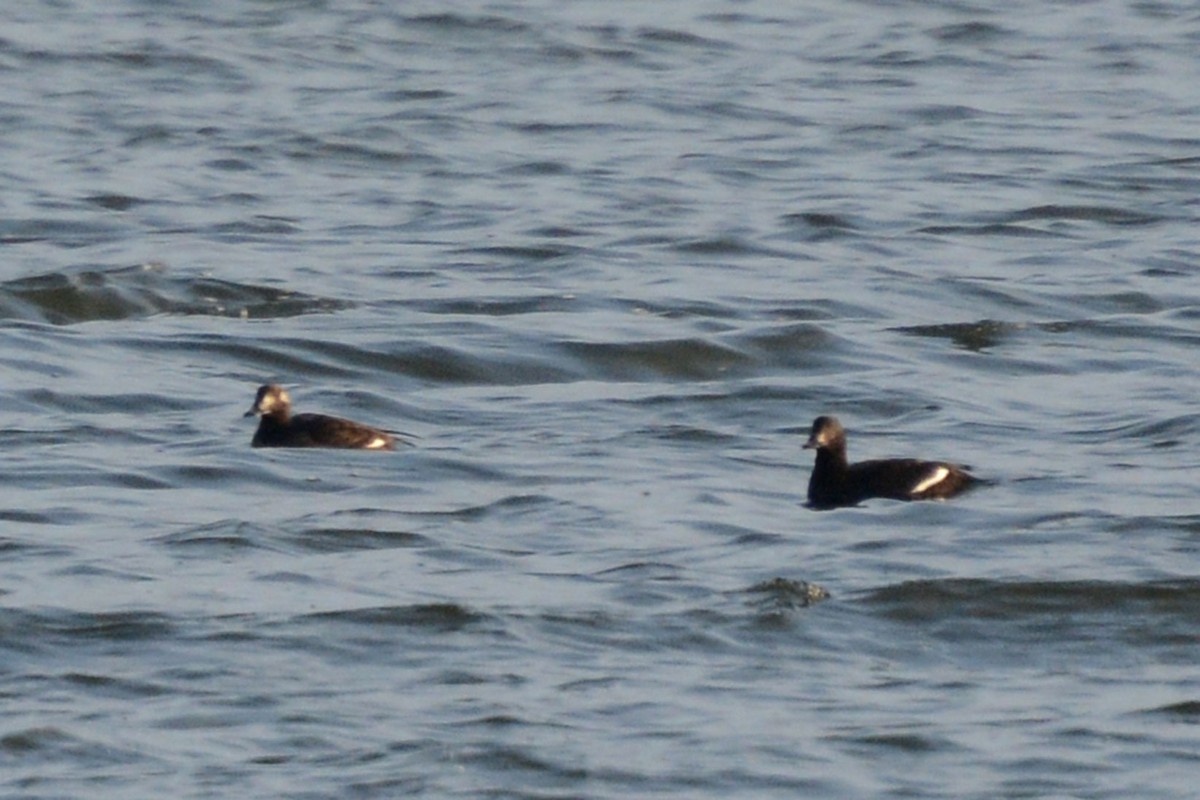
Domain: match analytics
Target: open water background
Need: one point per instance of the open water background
(607, 260)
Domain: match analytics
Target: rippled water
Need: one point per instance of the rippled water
(605, 262)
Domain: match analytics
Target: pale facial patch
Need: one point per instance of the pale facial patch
(938, 475)
(273, 400)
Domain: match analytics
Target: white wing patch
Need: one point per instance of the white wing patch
(939, 474)
(376, 443)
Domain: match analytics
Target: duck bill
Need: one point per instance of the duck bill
(811, 444)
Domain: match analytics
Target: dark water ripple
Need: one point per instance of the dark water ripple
(604, 265)
(931, 601)
(126, 293)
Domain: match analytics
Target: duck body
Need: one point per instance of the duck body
(278, 427)
(836, 482)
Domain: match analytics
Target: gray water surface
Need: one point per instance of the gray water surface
(605, 262)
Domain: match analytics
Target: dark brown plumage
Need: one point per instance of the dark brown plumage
(278, 427)
(836, 482)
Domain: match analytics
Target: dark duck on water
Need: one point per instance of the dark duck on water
(836, 482)
(278, 427)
